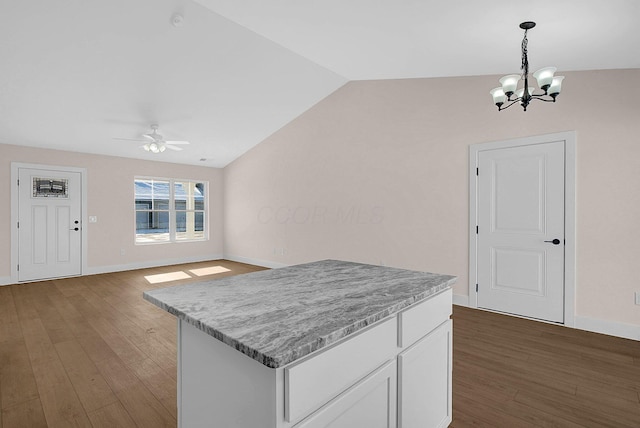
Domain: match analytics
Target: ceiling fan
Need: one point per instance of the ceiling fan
(154, 142)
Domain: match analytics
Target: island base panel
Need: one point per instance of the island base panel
(220, 387)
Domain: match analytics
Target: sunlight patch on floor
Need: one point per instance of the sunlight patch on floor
(211, 270)
(166, 277)
(178, 275)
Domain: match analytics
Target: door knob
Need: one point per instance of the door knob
(554, 242)
(75, 228)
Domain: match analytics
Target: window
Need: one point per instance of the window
(170, 210)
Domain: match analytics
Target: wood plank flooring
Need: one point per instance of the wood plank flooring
(89, 351)
(512, 372)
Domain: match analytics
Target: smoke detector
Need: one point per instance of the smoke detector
(177, 20)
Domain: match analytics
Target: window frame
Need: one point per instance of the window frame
(172, 210)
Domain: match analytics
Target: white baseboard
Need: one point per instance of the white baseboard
(5, 280)
(94, 270)
(257, 262)
(612, 328)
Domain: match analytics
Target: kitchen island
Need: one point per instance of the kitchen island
(328, 343)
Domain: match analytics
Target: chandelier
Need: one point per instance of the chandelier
(548, 83)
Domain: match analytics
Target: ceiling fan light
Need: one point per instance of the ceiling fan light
(544, 76)
(153, 147)
(147, 147)
(509, 83)
(162, 148)
(499, 97)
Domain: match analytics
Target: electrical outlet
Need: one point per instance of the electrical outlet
(637, 297)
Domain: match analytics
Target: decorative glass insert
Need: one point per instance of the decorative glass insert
(50, 187)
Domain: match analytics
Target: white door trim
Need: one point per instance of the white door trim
(15, 213)
(569, 138)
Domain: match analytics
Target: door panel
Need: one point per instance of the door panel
(49, 211)
(517, 193)
(39, 234)
(520, 206)
(518, 271)
(63, 241)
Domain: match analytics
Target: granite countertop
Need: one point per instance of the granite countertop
(277, 316)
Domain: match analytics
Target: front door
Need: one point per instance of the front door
(49, 228)
(520, 235)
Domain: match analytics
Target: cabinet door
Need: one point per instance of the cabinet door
(369, 403)
(424, 381)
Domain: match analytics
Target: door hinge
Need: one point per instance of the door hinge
(18, 268)
(477, 171)
(476, 288)
(477, 229)
(18, 225)
(18, 181)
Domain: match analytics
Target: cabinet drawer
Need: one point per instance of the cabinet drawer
(420, 319)
(370, 403)
(313, 382)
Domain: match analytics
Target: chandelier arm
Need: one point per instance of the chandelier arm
(509, 105)
(539, 97)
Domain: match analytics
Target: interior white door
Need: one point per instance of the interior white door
(520, 245)
(49, 227)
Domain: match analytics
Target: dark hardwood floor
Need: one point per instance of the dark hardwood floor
(90, 352)
(512, 372)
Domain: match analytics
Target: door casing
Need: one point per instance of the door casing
(569, 137)
(15, 214)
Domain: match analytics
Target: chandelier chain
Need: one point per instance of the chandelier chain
(525, 59)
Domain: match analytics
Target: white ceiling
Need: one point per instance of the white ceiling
(74, 75)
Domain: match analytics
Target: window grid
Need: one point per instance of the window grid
(170, 210)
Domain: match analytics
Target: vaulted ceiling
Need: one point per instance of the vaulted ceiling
(76, 75)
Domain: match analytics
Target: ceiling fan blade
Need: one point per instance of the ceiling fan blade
(150, 137)
(174, 148)
(177, 142)
(128, 139)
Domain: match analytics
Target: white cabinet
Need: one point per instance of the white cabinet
(395, 373)
(314, 381)
(424, 381)
(369, 403)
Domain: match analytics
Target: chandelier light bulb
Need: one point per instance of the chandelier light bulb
(499, 97)
(556, 86)
(520, 92)
(510, 83)
(544, 76)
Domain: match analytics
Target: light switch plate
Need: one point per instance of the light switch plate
(93, 219)
(637, 297)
